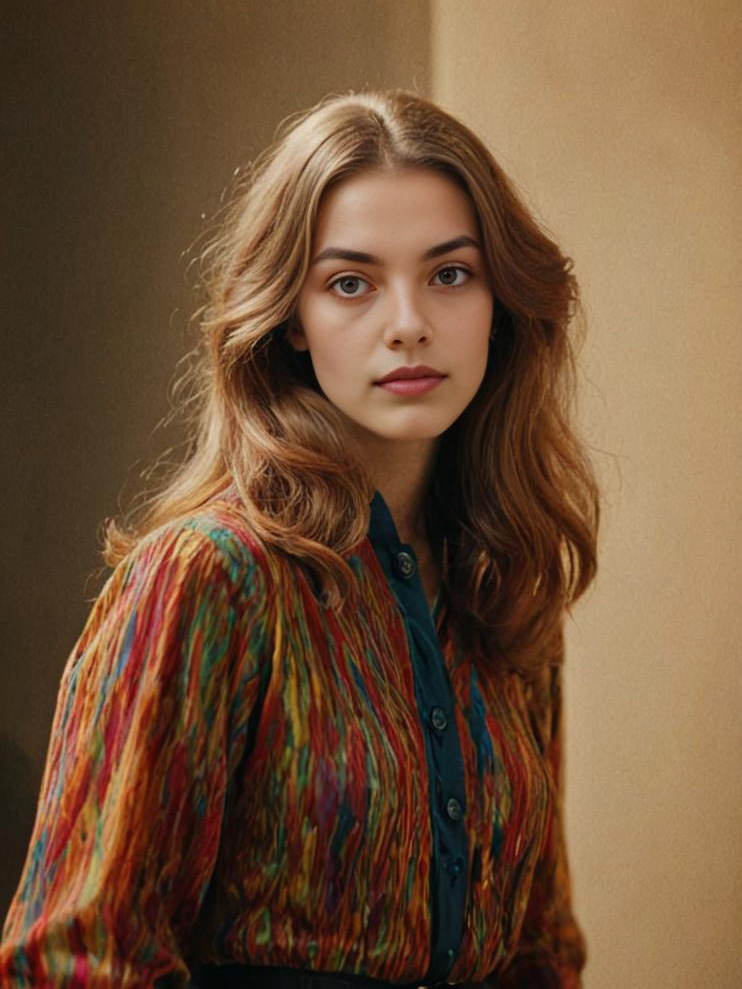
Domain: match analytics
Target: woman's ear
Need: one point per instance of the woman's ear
(295, 335)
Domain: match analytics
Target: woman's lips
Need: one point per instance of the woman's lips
(410, 386)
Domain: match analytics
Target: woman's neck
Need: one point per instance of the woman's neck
(403, 482)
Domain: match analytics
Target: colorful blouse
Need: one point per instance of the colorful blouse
(236, 774)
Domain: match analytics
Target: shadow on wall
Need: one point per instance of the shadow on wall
(123, 125)
(19, 788)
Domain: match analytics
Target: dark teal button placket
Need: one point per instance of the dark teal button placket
(435, 701)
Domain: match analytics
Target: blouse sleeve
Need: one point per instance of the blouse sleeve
(150, 721)
(552, 950)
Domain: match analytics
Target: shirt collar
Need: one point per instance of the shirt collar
(382, 531)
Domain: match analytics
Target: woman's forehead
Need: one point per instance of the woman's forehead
(408, 204)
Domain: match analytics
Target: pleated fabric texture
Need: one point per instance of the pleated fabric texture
(236, 774)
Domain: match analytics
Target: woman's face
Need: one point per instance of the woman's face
(396, 280)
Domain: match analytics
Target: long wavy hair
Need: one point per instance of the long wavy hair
(513, 506)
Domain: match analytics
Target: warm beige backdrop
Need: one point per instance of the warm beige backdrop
(623, 123)
(123, 123)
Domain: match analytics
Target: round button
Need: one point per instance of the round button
(454, 809)
(405, 565)
(438, 718)
(450, 954)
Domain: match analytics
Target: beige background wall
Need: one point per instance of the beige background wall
(124, 126)
(622, 122)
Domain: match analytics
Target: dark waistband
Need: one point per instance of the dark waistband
(272, 977)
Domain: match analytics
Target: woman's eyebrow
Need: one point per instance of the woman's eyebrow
(345, 254)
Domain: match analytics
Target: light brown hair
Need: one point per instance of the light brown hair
(513, 507)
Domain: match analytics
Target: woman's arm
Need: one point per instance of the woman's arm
(150, 722)
(552, 951)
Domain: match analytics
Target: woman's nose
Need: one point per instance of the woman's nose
(406, 322)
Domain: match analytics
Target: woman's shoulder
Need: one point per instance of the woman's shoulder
(209, 543)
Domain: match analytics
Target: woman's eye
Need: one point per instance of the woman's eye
(448, 276)
(348, 285)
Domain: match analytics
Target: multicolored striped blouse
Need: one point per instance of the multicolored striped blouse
(237, 774)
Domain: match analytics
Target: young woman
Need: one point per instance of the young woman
(310, 734)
